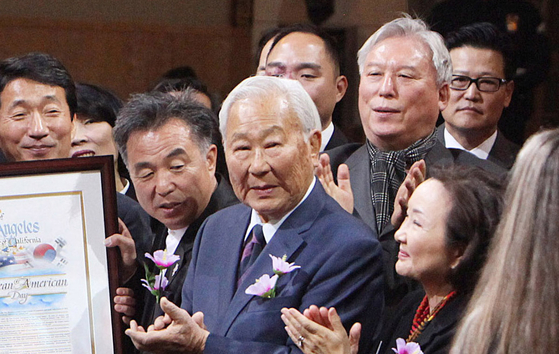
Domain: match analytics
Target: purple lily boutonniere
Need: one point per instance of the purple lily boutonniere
(406, 348)
(281, 266)
(157, 283)
(162, 259)
(265, 286)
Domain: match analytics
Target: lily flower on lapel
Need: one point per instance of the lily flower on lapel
(406, 348)
(162, 259)
(265, 286)
(281, 266)
(158, 284)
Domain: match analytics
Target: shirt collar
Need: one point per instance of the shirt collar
(269, 229)
(326, 136)
(126, 187)
(481, 151)
(173, 239)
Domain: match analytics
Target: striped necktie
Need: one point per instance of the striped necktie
(251, 251)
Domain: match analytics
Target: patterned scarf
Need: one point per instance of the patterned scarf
(388, 171)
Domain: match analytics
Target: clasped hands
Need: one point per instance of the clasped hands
(174, 332)
(320, 330)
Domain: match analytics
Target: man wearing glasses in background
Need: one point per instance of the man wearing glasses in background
(479, 91)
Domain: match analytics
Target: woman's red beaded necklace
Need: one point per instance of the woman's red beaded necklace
(423, 316)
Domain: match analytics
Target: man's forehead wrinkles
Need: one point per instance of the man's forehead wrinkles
(33, 99)
(244, 134)
(392, 63)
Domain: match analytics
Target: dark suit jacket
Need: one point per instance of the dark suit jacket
(340, 261)
(137, 221)
(338, 138)
(131, 192)
(222, 197)
(356, 157)
(503, 152)
(436, 338)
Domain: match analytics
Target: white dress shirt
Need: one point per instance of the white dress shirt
(173, 239)
(270, 229)
(326, 136)
(481, 151)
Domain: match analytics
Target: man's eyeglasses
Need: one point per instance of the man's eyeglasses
(484, 83)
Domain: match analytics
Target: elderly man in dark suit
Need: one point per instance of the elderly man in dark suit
(271, 131)
(169, 144)
(480, 88)
(405, 73)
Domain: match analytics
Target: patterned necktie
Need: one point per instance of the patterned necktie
(388, 171)
(251, 251)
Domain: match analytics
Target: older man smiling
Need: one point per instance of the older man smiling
(405, 73)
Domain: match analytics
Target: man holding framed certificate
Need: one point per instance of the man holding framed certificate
(169, 145)
(37, 105)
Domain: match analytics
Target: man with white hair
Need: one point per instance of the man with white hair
(405, 73)
(271, 131)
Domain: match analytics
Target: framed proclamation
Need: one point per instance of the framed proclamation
(57, 280)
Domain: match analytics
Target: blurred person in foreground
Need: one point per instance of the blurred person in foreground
(442, 248)
(515, 306)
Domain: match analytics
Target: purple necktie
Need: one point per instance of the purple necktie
(251, 251)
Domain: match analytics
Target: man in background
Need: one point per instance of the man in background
(309, 55)
(480, 88)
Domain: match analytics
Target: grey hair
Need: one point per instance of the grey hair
(407, 26)
(151, 111)
(267, 88)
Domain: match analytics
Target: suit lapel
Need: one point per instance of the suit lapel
(438, 155)
(440, 133)
(286, 241)
(228, 284)
(503, 152)
(359, 174)
(184, 247)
